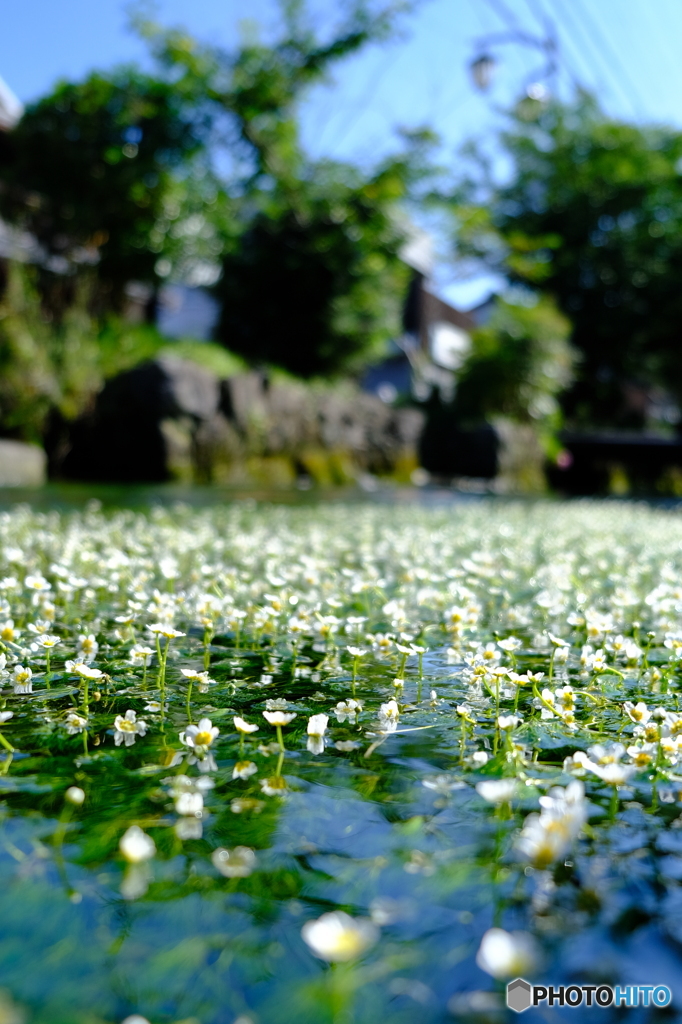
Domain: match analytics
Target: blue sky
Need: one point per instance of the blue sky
(625, 50)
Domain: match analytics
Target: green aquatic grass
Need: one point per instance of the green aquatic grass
(466, 764)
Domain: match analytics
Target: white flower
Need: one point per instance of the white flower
(7, 631)
(189, 826)
(200, 737)
(548, 836)
(347, 709)
(244, 770)
(443, 784)
(507, 954)
(547, 698)
(512, 643)
(338, 937)
(46, 640)
(609, 753)
(37, 583)
(644, 755)
(509, 721)
(565, 696)
(80, 668)
(243, 726)
(389, 714)
(136, 846)
(153, 705)
(75, 795)
(632, 652)
(274, 786)
(279, 717)
(201, 678)
(598, 624)
(317, 726)
(163, 629)
(23, 682)
(128, 728)
(614, 774)
(87, 647)
(189, 796)
(497, 791)
(189, 803)
(561, 655)
(75, 723)
(638, 713)
(140, 655)
(237, 863)
(586, 656)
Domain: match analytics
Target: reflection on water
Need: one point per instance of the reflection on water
(163, 865)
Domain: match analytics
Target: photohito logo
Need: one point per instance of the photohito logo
(521, 995)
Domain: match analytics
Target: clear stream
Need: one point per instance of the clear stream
(379, 816)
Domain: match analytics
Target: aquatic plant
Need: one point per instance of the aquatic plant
(371, 759)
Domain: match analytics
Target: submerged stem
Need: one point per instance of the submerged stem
(613, 806)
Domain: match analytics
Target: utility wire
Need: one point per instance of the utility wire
(589, 46)
(549, 27)
(503, 12)
(666, 41)
(604, 43)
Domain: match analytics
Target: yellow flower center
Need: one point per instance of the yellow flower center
(203, 739)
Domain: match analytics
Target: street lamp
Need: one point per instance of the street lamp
(483, 67)
(482, 70)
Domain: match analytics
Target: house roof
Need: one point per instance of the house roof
(11, 108)
(435, 310)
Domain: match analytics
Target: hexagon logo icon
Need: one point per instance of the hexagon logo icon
(518, 995)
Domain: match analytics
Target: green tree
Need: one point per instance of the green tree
(87, 170)
(199, 169)
(592, 215)
(311, 277)
(316, 287)
(520, 361)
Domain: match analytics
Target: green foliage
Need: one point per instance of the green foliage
(87, 168)
(60, 365)
(117, 177)
(520, 362)
(209, 355)
(593, 216)
(27, 381)
(315, 288)
(257, 86)
(311, 280)
(122, 345)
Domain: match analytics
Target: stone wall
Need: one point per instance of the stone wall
(170, 419)
(21, 465)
